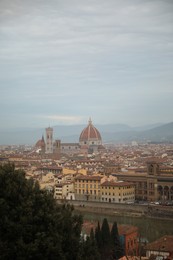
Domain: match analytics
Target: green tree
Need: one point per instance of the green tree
(105, 232)
(32, 225)
(98, 236)
(89, 249)
(106, 250)
(117, 248)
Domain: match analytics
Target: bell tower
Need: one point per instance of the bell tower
(49, 140)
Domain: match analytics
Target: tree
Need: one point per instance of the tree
(106, 249)
(98, 236)
(105, 231)
(32, 225)
(89, 249)
(118, 250)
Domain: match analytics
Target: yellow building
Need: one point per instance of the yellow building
(117, 191)
(64, 191)
(87, 187)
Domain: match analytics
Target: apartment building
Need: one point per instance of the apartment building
(98, 188)
(117, 191)
(87, 187)
(64, 191)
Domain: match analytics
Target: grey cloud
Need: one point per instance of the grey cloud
(95, 51)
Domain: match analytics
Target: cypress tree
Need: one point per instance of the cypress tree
(114, 232)
(98, 236)
(105, 232)
(117, 250)
(89, 249)
(106, 249)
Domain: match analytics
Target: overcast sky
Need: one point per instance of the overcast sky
(63, 61)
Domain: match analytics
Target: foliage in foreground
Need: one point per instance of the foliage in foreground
(32, 225)
(108, 241)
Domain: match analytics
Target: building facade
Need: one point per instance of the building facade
(152, 185)
(118, 192)
(87, 187)
(96, 188)
(129, 238)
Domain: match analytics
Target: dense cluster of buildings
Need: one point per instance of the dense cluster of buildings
(94, 188)
(109, 173)
(90, 171)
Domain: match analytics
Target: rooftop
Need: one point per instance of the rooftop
(163, 244)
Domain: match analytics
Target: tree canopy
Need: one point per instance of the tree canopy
(32, 225)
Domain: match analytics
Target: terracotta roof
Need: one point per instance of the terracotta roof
(122, 229)
(163, 244)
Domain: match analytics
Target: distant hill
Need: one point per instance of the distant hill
(66, 133)
(161, 133)
(114, 133)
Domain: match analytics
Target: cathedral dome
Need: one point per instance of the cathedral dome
(90, 135)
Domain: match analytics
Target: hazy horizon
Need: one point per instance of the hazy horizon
(83, 125)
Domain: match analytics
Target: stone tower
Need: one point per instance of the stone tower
(49, 140)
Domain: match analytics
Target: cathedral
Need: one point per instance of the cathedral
(90, 142)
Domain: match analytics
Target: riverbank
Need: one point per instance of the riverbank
(151, 213)
(153, 221)
(134, 210)
(150, 227)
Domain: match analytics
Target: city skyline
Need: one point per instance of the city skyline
(62, 62)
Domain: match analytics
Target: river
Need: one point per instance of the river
(149, 228)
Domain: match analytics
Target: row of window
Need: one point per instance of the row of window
(106, 199)
(125, 187)
(84, 192)
(113, 194)
(87, 185)
(91, 186)
(124, 198)
(60, 189)
(87, 181)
